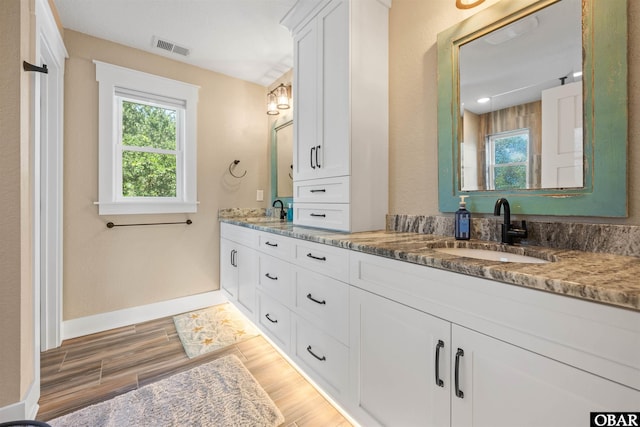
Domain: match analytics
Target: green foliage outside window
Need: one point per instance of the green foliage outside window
(148, 173)
(508, 152)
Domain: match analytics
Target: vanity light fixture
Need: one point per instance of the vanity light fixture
(468, 4)
(278, 99)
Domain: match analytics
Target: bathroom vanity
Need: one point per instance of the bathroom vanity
(400, 333)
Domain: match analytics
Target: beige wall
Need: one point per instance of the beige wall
(107, 270)
(413, 155)
(16, 290)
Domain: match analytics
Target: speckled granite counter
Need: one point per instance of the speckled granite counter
(604, 278)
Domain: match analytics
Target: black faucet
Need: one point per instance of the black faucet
(283, 213)
(509, 232)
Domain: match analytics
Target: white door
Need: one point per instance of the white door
(48, 177)
(562, 153)
(505, 385)
(393, 363)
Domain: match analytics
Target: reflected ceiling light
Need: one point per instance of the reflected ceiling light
(483, 100)
(577, 74)
(512, 31)
(278, 99)
(467, 4)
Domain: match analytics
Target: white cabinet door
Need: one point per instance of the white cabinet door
(334, 150)
(247, 260)
(238, 275)
(393, 364)
(321, 128)
(306, 75)
(229, 268)
(505, 385)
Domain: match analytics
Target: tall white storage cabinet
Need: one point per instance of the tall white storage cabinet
(340, 93)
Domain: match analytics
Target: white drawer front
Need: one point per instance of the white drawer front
(276, 245)
(325, 215)
(244, 236)
(324, 301)
(326, 358)
(274, 278)
(329, 190)
(328, 260)
(274, 319)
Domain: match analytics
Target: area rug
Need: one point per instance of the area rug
(218, 393)
(212, 328)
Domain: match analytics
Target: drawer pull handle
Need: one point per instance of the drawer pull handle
(317, 162)
(320, 190)
(319, 258)
(322, 359)
(270, 319)
(268, 276)
(318, 215)
(439, 381)
(315, 300)
(273, 245)
(311, 160)
(459, 354)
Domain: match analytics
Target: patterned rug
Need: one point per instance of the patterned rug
(218, 393)
(212, 328)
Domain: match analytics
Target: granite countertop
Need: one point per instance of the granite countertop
(604, 278)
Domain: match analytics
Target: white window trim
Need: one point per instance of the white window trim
(112, 79)
(491, 165)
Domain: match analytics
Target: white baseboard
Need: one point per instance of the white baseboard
(115, 319)
(26, 409)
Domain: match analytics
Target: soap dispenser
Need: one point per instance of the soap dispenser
(463, 221)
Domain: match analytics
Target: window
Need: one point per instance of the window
(508, 160)
(147, 139)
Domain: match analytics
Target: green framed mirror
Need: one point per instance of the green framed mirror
(281, 152)
(601, 186)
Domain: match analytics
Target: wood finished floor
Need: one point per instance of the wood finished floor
(94, 368)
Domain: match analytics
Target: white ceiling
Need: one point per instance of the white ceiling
(239, 38)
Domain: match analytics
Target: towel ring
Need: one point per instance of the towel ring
(232, 166)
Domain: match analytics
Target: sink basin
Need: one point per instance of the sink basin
(490, 255)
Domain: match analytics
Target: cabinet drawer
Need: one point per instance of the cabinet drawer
(323, 301)
(324, 259)
(324, 215)
(326, 358)
(274, 278)
(274, 319)
(276, 245)
(329, 190)
(244, 236)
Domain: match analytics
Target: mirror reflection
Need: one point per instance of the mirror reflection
(521, 107)
(284, 159)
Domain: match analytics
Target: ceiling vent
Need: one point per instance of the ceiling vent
(168, 46)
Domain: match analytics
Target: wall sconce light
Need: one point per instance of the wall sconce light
(468, 4)
(278, 99)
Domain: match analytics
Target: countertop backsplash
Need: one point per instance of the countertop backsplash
(601, 238)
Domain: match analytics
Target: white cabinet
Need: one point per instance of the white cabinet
(341, 113)
(509, 356)
(401, 344)
(393, 360)
(239, 267)
(413, 369)
(503, 385)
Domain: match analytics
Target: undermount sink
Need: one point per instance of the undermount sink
(491, 255)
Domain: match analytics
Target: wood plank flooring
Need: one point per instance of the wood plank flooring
(94, 368)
